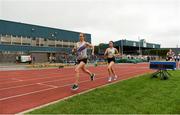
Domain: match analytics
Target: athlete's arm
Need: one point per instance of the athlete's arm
(116, 52)
(90, 46)
(105, 53)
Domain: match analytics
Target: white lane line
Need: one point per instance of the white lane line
(16, 79)
(36, 78)
(80, 93)
(43, 76)
(39, 91)
(57, 87)
(25, 94)
(48, 81)
(17, 86)
(40, 82)
(44, 81)
(53, 86)
(59, 76)
(43, 90)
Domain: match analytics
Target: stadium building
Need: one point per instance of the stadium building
(38, 41)
(129, 47)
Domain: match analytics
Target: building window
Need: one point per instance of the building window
(6, 43)
(66, 46)
(51, 45)
(134, 44)
(58, 45)
(15, 43)
(26, 44)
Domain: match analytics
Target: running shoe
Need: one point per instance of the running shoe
(115, 77)
(75, 87)
(92, 76)
(109, 79)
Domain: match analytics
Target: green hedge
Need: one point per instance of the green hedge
(130, 60)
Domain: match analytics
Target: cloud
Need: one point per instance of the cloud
(156, 21)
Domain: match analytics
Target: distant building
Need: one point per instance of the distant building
(175, 50)
(131, 47)
(40, 42)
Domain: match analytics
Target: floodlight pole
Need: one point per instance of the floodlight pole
(139, 45)
(121, 47)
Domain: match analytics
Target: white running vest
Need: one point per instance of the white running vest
(111, 52)
(83, 53)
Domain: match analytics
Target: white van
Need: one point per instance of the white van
(24, 59)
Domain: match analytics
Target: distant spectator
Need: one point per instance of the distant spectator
(50, 59)
(175, 58)
(148, 58)
(17, 59)
(54, 59)
(178, 61)
(178, 57)
(170, 55)
(33, 59)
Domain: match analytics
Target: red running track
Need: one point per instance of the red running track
(22, 90)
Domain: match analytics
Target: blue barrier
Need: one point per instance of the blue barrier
(162, 67)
